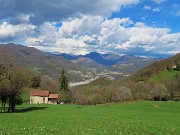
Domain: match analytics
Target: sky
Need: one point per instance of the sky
(134, 27)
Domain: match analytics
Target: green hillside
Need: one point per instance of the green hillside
(156, 68)
(158, 81)
(164, 76)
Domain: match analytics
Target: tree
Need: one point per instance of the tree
(35, 81)
(48, 84)
(123, 94)
(4, 84)
(18, 79)
(4, 92)
(63, 84)
(160, 92)
(12, 81)
(63, 81)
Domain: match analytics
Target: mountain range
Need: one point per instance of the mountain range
(79, 67)
(108, 59)
(110, 64)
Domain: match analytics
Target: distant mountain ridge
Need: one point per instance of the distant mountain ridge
(80, 68)
(108, 59)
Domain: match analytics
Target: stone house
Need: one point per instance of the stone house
(43, 97)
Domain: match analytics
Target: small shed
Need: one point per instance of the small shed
(53, 98)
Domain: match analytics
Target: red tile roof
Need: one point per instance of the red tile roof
(39, 93)
(53, 95)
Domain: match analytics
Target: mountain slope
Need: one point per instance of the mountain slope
(158, 81)
(88, 63)
(161, 78)
(39, 61)
(80, 68)
(156, 68)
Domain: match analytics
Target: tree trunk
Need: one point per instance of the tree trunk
(4, 106)
(11, 105)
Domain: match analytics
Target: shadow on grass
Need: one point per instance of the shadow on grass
(29, 109)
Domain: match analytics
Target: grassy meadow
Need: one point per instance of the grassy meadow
(165, 76)
(134, 118)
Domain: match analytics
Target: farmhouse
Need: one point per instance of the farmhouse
(43, 97)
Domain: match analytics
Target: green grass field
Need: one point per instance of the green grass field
(134, 118)
(164, 76)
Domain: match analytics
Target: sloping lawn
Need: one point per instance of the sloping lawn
(136, 118)
(165, 76)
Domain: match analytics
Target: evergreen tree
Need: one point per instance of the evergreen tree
(63, 84)
(63, 81)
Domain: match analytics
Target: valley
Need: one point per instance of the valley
(79, 68)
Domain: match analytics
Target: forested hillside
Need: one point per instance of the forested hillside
(39, 62)
(158, 81)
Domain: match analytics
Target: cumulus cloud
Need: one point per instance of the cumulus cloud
(9, 32)
(38, 12)
(80, 27)
(146, 7)
(83, 35)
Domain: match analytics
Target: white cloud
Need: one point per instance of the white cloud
(95, 33)
(156, 9)
(13, 32)
(159, 1)
(84, 29)
(146, 7)
(171, 39)
(88, 33)
(139, 24)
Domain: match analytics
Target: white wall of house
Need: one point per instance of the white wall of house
(38, 100)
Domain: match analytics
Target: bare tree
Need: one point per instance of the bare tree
(48, 84)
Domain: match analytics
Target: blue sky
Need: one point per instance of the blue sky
(137, 27)
(165, 14)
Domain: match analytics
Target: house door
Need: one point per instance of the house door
(43, 100)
